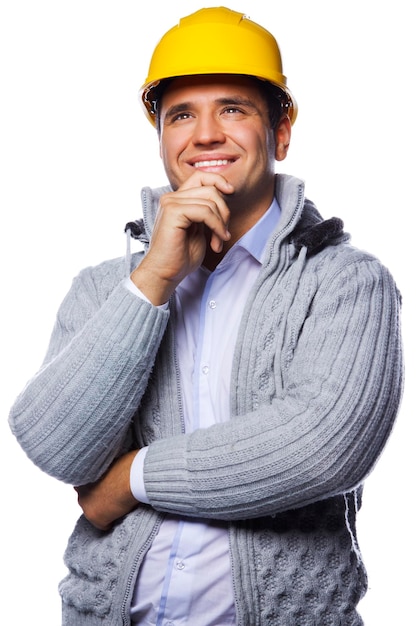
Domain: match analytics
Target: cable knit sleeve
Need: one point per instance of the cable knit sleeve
(72, 417)
(316, 388)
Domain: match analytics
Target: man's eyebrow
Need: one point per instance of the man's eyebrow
(237, 100)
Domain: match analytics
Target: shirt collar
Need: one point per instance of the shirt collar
(255, 240)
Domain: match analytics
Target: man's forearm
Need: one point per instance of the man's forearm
(110, 498)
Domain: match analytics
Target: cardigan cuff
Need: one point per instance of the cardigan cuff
(165, 476)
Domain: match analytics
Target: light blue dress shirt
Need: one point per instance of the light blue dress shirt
(186, 575)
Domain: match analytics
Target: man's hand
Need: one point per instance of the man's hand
(189, 219)
(109, 498)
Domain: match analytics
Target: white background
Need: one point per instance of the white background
(75, 150)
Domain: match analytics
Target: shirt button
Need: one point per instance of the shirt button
(205, 369)
(180, 565)
(212, 304)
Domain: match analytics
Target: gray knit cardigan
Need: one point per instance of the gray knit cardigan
(316, 384)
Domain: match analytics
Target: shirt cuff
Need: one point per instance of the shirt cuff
(137, 483)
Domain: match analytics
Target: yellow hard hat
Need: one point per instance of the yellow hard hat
(216, 41)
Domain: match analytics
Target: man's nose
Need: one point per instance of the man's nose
(208, 129)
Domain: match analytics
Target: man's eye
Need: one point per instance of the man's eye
(233, 110)
(180, 116)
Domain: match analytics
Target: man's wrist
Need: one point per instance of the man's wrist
(130, 285)
(156, 290)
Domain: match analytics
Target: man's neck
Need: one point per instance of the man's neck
(238, 228)
(212, 259)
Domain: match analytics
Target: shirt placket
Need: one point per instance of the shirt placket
(178, 590)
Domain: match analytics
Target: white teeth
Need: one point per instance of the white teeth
(213, 163)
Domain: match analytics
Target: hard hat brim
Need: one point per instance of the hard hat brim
(149, 94)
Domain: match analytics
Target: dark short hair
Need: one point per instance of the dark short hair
(276, 100)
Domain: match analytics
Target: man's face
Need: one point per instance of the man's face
(219, 124)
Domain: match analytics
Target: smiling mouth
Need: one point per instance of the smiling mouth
(212, 163)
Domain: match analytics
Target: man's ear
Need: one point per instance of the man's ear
(283, 137)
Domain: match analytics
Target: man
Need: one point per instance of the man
(219, 408)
